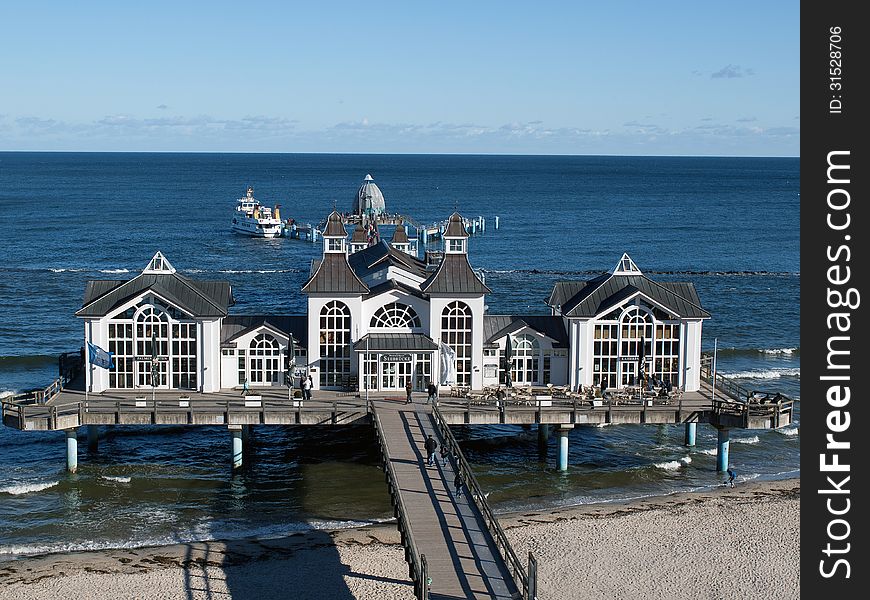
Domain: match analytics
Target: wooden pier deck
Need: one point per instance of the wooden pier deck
(461, 557)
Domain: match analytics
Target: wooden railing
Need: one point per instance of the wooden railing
(522, 579)
(418, 569)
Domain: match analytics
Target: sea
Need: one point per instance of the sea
(729, 225)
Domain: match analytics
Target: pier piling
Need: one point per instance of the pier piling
(691, 433)
(72, 451)
(237, 446)
(563, 446)
(93, 438)
(722, 447)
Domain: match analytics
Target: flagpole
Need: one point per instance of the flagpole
(715, 349)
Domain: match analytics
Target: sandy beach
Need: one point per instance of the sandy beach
(725, 543)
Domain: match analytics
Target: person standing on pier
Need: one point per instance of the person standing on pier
(408, 389)
(430, 445)
(457, 484)
(306, 388)
(433, 393)
(444, 456)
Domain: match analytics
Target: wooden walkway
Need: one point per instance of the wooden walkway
(460, 553)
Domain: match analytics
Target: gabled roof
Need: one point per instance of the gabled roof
(360, 236)
(390, 285)
(395, 341)
(382, 255)
(455, 226)
(334, 275)
(496, 327)
(197, 298)
(454, 275)
(564, 291)
(235, 326)
(606, 291)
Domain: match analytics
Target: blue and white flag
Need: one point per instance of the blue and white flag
(99, 357)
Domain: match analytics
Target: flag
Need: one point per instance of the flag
(99, 357)
(508, 361)
(448, 364)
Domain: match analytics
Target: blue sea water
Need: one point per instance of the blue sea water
(730, 225)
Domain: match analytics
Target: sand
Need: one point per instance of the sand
(727, 543)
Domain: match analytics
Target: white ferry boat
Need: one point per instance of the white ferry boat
(253, 219)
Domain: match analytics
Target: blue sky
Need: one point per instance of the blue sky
(637, 78)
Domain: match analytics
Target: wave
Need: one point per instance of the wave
(673, 465)
(763, 374)
(114, 271)
(788, 431)
(750, 440)
(117, 479)
(27, 360)
(202, 533)
(261, 271)
(794, 351)
(647, 272)
(25, 488)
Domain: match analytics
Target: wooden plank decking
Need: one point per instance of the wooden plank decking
(460, 553)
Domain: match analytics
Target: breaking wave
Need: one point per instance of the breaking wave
(750, 440)
(26, 488)
(673, 465)
(763, 374)
(117, 479)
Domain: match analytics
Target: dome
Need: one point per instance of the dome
(369, 199)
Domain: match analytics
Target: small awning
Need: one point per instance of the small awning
(379, 342)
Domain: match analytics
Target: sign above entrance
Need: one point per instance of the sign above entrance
(151, 358)
(396, 357)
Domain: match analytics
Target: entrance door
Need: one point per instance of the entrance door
(628, 373)
(264, 370)
(395, 375)
(143, 374)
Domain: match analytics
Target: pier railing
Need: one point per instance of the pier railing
(69, 365)
(522, 579)
(743, 402)
(416, 562)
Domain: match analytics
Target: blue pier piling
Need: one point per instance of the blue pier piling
(237, 447)
(691, 433)
(72, 451)
(563, 447)
(93, 438)
(722, 446)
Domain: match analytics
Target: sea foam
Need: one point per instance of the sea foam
(25, 488)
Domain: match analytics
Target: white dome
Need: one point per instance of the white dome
(369, 198)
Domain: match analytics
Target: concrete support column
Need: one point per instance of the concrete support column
(93, 438)
(237, 446)
(691, 433)
(72, 451)
(722, 449)
(563, 446)
(543, 437)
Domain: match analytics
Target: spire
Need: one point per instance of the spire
(158, 264)
(626, 266)
(455, 235)
(334, 235)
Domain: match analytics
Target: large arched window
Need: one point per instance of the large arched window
(525, 359)
(264, 353)
(334, 343)
(152, 340)
(396, 315)
(456, 322)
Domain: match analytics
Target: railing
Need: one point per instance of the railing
(523, 581)
(743, 402)
(418, 569)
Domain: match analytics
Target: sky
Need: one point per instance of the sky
(617, 77)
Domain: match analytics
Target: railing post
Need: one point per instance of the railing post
(424, 578)
(532, 585)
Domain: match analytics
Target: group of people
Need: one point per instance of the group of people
(430, 445)
(306, 384)
(431, 391)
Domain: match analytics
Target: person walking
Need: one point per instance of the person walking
(310, 387)
(433, 393)
(245, 388)
(430, 445)
(457, 484)
(306, 388)
(444, 456)
(408, 389)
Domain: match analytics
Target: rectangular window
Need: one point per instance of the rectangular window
(335, 245)
(456, 245)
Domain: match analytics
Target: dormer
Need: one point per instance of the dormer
(400, 239)
(455, 236)
(335, 235)
(360, 239)
(158, 265)
(626, 266)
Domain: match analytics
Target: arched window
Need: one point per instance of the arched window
(396, 315)
(334, 343)
(525, 359)
(456, 322)
(264, 353)
(152, 340)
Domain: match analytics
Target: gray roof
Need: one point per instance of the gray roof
(392, 284)
(496, 327)
(197, 298)
(369, 198)
(400, 236)
(454, 276)
(334, 275)
(334, 225)
(382, 255)
(455, 226)
(379, 342)
(234, 326)
(605, 291)
(564, 291)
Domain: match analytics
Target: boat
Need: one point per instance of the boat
(253, 219)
